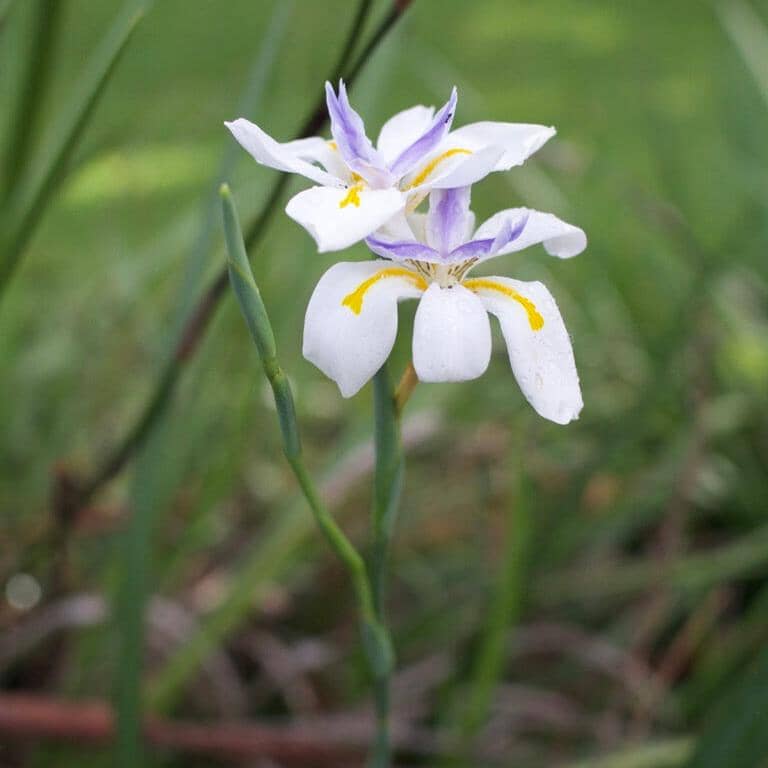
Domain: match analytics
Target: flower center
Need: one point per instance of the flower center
(445, 275)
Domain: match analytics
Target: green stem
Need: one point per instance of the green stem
(258, 323)
(387, 485)
(375, 638)
(31, 95)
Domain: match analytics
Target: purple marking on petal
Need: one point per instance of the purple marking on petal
(441, 124)
(402, 250)
(348, 130)
(447, 220)
(509, 232)
(476, 249)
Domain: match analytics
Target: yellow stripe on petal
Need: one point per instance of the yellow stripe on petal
(535, 320)
(353, 195)
(354, 300)
(429, 168)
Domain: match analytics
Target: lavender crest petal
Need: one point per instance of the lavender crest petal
(509, 232)
(474, 249)
(448, 218)
(478, 249)
(348, 129)
(441, 124)
(402, 250)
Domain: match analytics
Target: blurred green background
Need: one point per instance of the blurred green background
(590, 595)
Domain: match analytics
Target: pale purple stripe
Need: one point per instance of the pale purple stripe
(447, 218)
(440, 126)
(348, 129)
(509, 232)
(476, 249)
(402, 250)
(472, 250)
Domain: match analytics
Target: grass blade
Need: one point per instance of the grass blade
(32, 94)
(750, 36)
(504, 611)
(663, 754)
(133, 592)
(737, 736)
(25, 213)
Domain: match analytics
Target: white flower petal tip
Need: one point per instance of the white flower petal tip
(559, 238)
(517, 140)
(351, 321)
(288, 157)
(464, 169)
(338, 218)
(451, 335)
(538, 344)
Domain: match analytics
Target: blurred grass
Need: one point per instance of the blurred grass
(655, 497)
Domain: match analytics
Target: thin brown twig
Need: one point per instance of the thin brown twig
(405, 388)
(36, 718)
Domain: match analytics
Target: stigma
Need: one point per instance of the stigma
(445, 275)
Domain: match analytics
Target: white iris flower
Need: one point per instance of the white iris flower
(363, 187)
(351, 320)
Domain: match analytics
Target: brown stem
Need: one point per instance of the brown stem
(405, 388)
(34, 718)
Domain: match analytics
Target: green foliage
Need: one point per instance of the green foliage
(614, 618)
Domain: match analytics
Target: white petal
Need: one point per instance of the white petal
(321, 151)
(350, 347)
(559, 238)
(518, 140)
(335, 225)
(402, 129)
(542, 360)
(459, 170)
(283, 157)
(451, 335)
(399, 227)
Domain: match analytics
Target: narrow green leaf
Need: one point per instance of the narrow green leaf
(32, 94)
(663, 754)
(5, 7)
(133, 593)
(737, 735)
(746, 556)
(504, 611)
(256, 317)
(243, 283)
(20, 221)
(750, 36)
(387, 481)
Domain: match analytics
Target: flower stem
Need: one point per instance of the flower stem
(388, 480)
(375, 639)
